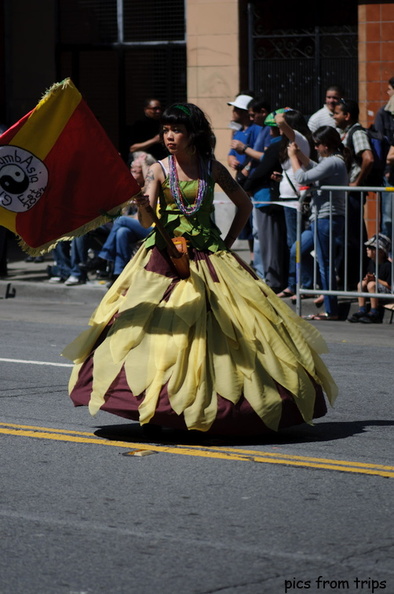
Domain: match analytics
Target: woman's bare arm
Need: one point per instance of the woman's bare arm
(284, 126)
(237, 196)
(297, 157)
(153, 179)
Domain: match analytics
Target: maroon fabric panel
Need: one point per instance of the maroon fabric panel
(290, 413)
(245, 266)
(205, 256)
(80, 395)
(239, 419)
(160, 262)
(120, 401)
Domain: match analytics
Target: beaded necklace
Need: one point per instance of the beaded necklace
(176, 191)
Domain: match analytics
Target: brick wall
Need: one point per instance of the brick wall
(376, 57)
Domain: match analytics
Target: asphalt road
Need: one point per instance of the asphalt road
(89, 505)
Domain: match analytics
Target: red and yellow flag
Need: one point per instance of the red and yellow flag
(60, 174)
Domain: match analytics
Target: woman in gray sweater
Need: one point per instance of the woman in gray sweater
(330, 170)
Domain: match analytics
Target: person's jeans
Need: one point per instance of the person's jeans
(307, 263)
(119, 245)
(322, 249)
(356, 250)
(257, 260)
(327, 268)
(61, 255)
(291, 225)
(386, 211)
(79, 255)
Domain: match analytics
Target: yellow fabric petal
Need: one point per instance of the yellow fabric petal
(104, 373)
(74, 377)
(227, 377)
(230, 336)
(82, 346)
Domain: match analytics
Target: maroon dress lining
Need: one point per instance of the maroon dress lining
(239, 419)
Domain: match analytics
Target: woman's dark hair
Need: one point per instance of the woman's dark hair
(391, 82)
(350, 106)
(149, 100)
(335, 88)
(296, 120)
(329, 136)
(196, 124)
(258, 104)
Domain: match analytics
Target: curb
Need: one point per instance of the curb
(93, 291)
(88, 292)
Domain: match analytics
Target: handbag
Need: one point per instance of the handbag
(307, 198)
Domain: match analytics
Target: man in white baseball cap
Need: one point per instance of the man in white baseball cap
(241, 101)
(247, 133)
(245, 130)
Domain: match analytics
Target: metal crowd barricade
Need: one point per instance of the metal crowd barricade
(343, 291)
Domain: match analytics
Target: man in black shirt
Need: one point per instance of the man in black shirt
(144, 133)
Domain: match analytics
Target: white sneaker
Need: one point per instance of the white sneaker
(72, 280)
(55, 279)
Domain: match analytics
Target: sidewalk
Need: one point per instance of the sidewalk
(30, 280)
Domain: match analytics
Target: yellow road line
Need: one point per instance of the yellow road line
(220, 448)
(214, 452)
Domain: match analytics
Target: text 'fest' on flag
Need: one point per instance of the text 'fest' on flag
(60, 175)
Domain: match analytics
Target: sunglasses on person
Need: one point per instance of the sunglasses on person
(343, 102)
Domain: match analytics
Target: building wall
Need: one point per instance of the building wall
(376, 66)
(213, 78)
(376, 57)
(213, 72)
(213, 62)
(30, 54)
(213, 58)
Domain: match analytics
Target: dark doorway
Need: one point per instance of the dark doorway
(120, 53)
(295, 54)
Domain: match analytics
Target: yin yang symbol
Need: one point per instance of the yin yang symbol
(23, 178)
(13, 179)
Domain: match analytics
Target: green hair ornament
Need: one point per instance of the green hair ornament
(183, 108)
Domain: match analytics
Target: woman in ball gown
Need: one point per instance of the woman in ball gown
(216, 351)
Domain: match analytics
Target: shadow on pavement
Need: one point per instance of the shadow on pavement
(322, 431)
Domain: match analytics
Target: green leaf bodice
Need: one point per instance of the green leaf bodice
(199, 228)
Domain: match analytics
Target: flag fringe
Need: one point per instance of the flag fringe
(90, 226)
(67, 82)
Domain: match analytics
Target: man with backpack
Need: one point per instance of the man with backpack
(355, 137)
(384, 123)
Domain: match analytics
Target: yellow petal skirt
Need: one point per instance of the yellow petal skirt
(216, 352)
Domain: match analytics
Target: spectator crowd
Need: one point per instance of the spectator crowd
(278, 156)
(275, 152)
